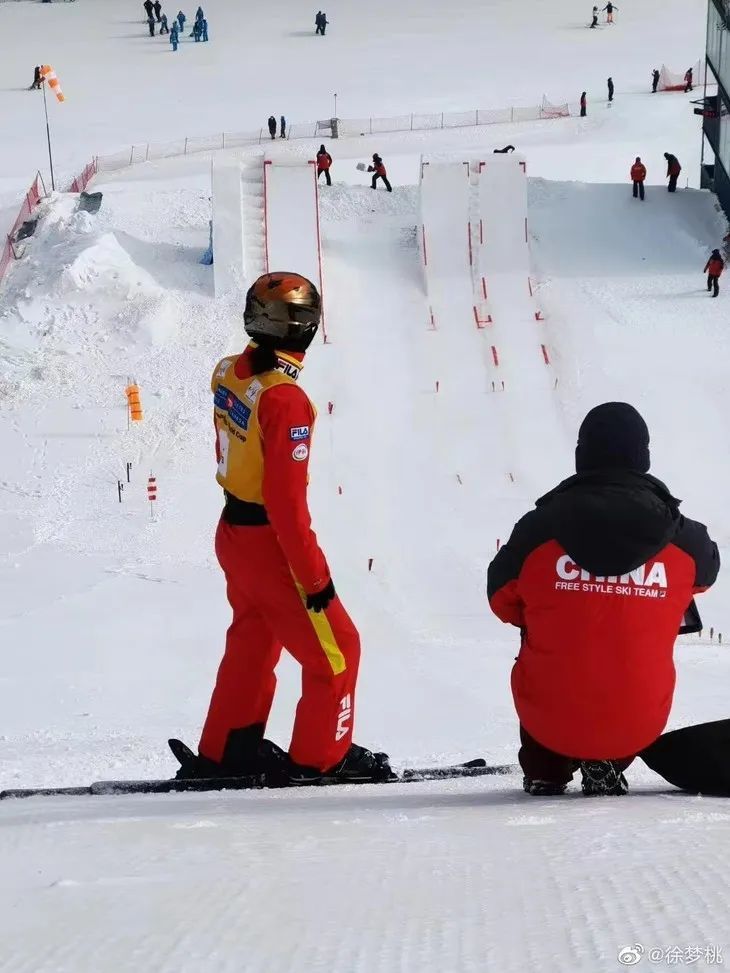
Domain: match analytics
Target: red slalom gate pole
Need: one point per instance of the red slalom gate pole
(152, 493)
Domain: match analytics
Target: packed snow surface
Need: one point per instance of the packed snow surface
(112, 619)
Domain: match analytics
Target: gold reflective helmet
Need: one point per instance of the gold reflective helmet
(283, 310)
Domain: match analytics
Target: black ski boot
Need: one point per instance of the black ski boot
(542, 788)
(247, 754)
(602, 779)
(358, 766)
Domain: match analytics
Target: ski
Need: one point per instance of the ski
(472, 768)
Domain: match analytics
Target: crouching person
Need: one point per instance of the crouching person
(598, 578)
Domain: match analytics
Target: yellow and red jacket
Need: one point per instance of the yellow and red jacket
(264, 427)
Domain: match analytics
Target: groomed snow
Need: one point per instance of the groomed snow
(112, 622)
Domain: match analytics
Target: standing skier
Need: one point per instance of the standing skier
(583, 109)
(204, 29)
(379, 172)
(164, 29)
(181, 21)
(324, 163)
(598, 578)
(673, 171)
(609, 84)
(278, 580)
(609, 8)
(174, 35)
(148, 8)
(318, 23)
(688, 80)
(282, 127)
(594, 18)
(272, 126)
(654, 80)
(713, 268)
(151, 25)
(158, 10)
(638, 175)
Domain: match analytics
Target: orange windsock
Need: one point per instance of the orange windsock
(133, 402)
(49, 75)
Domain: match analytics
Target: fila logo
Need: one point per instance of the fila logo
(344, 717)
(645, 576)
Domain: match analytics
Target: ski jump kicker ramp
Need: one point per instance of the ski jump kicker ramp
(291, 221)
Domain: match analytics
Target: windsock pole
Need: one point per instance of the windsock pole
(48, 136)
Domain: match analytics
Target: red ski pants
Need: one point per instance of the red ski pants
(269, 613)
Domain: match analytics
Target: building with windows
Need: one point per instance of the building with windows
(715, 109)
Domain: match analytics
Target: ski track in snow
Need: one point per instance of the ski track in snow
(112, 621)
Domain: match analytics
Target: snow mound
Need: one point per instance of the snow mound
(105, 267)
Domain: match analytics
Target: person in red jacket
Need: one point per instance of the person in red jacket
(278, 581)
(324, 163)
(599, 578)
(379, 172)
(713, 268)
(638, 175)
(673, 171)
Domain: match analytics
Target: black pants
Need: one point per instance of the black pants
(672, 187)
(713, 284)
(385, 180)
(639, 190)
(539, 763)
(272, 133)
(151, 26)
(653, 86)
(326, 175)
(610, 96)
(582, 111)
(688, 88)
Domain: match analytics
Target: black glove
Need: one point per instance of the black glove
(318, 602)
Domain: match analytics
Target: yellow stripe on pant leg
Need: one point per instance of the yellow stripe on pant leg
(325, 635)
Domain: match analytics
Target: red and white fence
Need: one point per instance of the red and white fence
(30, 202)
(82, 181)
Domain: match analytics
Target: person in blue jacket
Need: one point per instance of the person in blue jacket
(204, 28)
(197, 30)
(174, 37)
(181, 20)
(282, 124)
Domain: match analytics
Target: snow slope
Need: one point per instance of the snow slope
(112, 621)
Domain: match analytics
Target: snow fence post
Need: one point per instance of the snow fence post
(131, 155)
(185, 151)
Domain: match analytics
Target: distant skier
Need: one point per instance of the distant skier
(323, 22)
(164, 29)
(204, 29)
(278, 581)
(688, 80)
(174, 35)
(272, 126)
(199, 15)
(654, 80)
(158, 10)
(318, 22)
(609, 84)
(598, 578)
(609, 8)
(148, 8)
(713, 268)
(37, 79)
(638, 175)
(181, 21)
(324, 163)
(379, 172)
(282, 127)
(673, 171)
(594, 18)
(197, 30)
(583, 109)
(507, 148)
(151, 25)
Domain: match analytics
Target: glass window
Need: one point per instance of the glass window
(716, 36)
(725, 142)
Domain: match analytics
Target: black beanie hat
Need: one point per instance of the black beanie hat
(613, 436)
